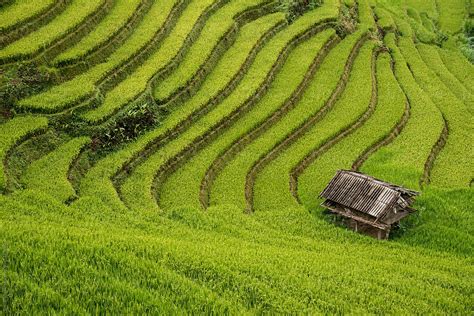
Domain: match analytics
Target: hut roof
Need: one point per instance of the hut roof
(366, 194)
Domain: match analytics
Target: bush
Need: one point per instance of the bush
(296, 8)
(136, 121)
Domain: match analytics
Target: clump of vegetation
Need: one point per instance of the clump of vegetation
(134, 122)
(21, 81)
(348, 21)
(467, 41)
(296, 8)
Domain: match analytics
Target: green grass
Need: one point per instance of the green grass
(49, 173)
(22, 10)
(427, 6)
(219, 261)
(445, 174)
(116, 19)
(462, 69)
(431, 57)
(13, 131)
(385, 20)
(422, 33)
(35, 42)
(276, 171)
(84, 85)
(138, 82)
(366, 16)
(451, 15)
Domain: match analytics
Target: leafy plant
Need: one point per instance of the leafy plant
(296, 8)
(136, 121)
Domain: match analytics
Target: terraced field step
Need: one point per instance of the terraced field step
(462, 69)
(431, 57)
(68, 27)
(200, 104)
(435, 150)
(160, 64)
(400, 162)
(460, 126)
(24, 16)
(217, 35)
(388, 112)
(50, 173)
(110, 33)
(145, 39)
(247, 12)
(285, 89)
(334, 130)
(13, 132)
(182, 168)
(384, 141)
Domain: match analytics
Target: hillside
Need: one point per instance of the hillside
(166, 156)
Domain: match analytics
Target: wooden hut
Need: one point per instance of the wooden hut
(367, 205)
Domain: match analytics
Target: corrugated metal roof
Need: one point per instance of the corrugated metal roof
(362, 193)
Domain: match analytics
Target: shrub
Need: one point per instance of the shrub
(296, 8)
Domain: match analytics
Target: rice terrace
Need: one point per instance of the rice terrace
(171, 156)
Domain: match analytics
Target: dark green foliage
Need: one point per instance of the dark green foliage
(347, 21)
(296, 8)
(21, 81)
(467, 41)
(4, 3)
(137, 120)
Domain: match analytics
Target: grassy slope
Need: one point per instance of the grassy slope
(223, 260)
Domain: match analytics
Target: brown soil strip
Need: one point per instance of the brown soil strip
(233, 149)
(76, 170)
(435, 150)
(269, 156)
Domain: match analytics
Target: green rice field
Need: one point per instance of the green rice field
(167, 156)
